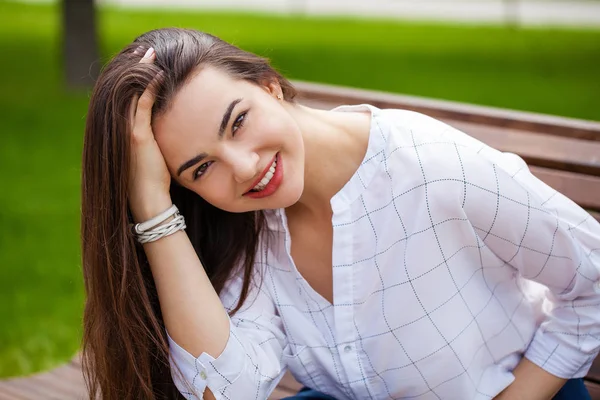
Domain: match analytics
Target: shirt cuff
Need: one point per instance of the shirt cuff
(557, 357)
(207, 371)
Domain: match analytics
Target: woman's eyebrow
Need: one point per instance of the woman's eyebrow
(224, 123)
(191, 162)
(227, 116)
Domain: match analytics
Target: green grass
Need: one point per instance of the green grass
(41, 125)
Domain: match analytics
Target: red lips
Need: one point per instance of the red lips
(273, 184)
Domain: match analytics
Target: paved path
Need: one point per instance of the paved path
(527, 12)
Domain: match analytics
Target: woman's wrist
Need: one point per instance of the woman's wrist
(150, 208)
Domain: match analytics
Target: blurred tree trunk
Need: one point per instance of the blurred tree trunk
(80, 43)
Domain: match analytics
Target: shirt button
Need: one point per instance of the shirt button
(347, 348)
(203, 375)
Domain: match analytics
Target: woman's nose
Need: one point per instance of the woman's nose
(245, 165)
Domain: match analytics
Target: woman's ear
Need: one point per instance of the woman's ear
(273, 87)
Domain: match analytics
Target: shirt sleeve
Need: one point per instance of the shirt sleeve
(251, 363)
(550, 240)
(546, 237)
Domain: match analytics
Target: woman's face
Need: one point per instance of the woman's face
(233, 143)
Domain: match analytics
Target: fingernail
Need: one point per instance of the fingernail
(138, 50)
(149, 52)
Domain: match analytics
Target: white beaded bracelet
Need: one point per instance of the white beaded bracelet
(176, 224)
(154, 229)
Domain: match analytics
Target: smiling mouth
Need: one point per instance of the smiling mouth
(266, 178)
(269, 180)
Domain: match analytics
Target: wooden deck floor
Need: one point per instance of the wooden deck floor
(66, 383)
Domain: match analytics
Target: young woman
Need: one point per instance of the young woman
(376, 254)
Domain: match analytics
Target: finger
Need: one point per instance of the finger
(134, 134)
(149, 57)
(132, 109)
(137, 133)
(138, 51)
(143, 114)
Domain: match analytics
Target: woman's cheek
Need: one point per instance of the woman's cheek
(272, 124)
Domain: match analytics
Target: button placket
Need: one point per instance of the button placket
(344, 295)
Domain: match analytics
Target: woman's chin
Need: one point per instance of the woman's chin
(286, 196)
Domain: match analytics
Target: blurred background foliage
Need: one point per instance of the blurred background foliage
(41, 123)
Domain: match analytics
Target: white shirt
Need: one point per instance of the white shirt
(432, 239)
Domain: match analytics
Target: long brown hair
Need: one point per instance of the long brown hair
(125, 348)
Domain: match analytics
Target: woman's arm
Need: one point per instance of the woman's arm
(550, 240)
(206, 347)
(182, 285)
(193, 313)
(543, 235)
(531, 383)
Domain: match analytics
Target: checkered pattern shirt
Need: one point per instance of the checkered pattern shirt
(440, 245)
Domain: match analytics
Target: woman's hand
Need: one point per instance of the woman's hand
(149, 178)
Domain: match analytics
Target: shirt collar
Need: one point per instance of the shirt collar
(372, 159)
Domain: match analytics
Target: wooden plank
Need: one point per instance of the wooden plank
(62, 383)
(6, 396)
(442, 109)
(594, 389)
(538, 149)
(65, 382)
(582, 189)
(8, 391)
(544, 150)
(21, 390)
(594, 372)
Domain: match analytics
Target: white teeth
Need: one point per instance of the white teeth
(267, 178)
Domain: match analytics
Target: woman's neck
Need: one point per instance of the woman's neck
(335, 144)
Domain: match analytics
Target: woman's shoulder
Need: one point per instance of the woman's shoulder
(418, 138)
(415, 128)
(420, 149)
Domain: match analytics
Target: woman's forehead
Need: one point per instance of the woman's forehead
(206, 90)
(201, 102)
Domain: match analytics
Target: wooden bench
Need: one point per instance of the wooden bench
(563, 152)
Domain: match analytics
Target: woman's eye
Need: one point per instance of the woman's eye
(201, 170)
(239, 122)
